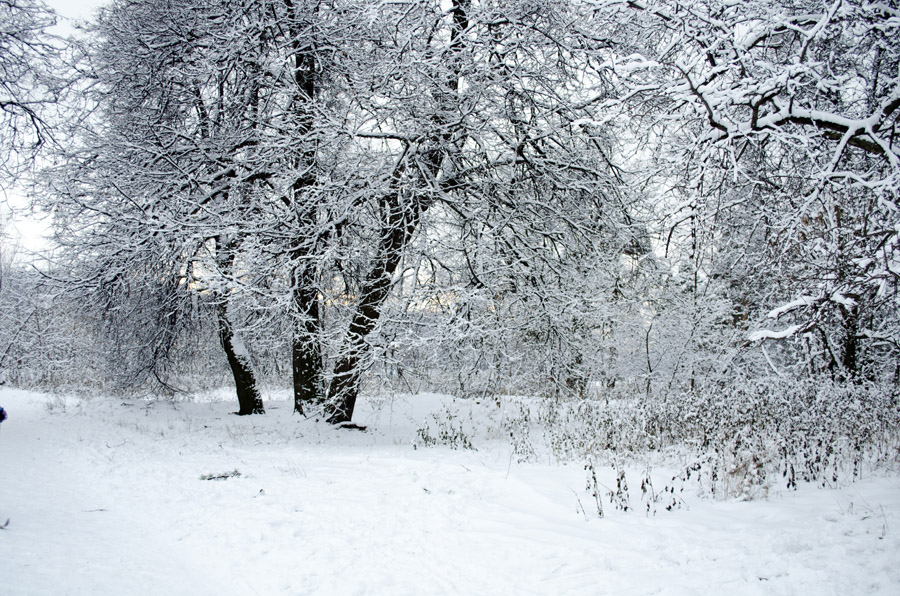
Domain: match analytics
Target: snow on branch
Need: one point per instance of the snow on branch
(793, 305)
(836, 297)
(767, 334)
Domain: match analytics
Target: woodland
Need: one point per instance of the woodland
(665, 222)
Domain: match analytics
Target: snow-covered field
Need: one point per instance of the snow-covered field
(107, 497)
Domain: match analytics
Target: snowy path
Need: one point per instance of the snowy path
(66, 535)
(107, 499)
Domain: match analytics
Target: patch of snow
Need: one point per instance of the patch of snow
(108, 498)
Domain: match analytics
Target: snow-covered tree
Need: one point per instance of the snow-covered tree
(28, 86)
(775, 124)
(327, 162)
(155, 185)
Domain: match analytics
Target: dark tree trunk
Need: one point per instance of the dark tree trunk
(402, 221)
(306, 356)
(249, 399)
(850, 356)
(401, 213)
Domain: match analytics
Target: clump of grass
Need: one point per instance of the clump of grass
(223, 476)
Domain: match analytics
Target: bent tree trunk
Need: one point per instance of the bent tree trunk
(249, 399)
(345, 384)
(401, 214)
(344, 388)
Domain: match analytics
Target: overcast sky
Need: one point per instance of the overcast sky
(74, 9)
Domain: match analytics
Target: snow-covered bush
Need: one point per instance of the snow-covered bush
(445, 428)
(740, 439)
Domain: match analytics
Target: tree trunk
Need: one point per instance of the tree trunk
(249, 399)
(850, 355)
(345, 385)
(306, 356)
(402, 221)
(401, 214)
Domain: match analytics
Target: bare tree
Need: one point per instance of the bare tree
(28, 86)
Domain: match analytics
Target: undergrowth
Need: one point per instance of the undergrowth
(445, 428)
(738, 441)
(726, 441)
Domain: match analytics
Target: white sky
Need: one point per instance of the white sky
(22, 229)
(74, 9)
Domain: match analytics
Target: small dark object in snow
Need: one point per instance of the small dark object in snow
(4, 524)
(223, 476)
(2, 414)
(352, 426)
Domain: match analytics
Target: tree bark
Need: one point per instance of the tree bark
(306, 355)
(401, 213)
(345, 384)
(249, 399)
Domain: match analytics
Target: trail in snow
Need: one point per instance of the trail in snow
(68, 533)
(108, 499)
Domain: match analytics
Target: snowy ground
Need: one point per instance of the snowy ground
(107, 499)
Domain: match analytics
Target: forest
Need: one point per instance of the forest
(666, 223)
(451, 297)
